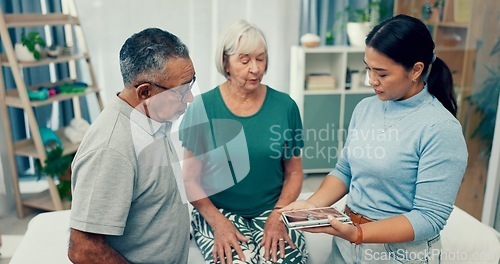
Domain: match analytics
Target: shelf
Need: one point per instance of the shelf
(331, 106)
(34, 20)
(362, 90)
(316, 92)
(333, 49)
(12, 97)
(16, 87)
(457, 48)
(453, 25)
(44, 61)
(43, 201)
(40, 201)
(27, 147)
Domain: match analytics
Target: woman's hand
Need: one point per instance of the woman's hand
(336, 228)
(297, 205)
(344, 230)
(226, 236)
(275, 235)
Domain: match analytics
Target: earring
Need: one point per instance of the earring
(414, 80)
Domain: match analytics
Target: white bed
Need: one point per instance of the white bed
(464, 240)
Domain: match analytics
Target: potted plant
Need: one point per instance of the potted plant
(359, 21)
(432, 12)
(58, 165)
(30, 47)
(485, 103)
(53, 51)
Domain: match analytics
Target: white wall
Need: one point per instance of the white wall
(198, 23)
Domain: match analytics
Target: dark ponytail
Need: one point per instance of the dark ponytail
(406, 40)
(440, 84)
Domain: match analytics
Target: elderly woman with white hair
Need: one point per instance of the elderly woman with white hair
(237, 221)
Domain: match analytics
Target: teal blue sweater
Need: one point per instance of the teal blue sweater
(414, 168)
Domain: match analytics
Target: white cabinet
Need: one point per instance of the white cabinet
(326, 112)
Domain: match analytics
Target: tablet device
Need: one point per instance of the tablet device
(305, 218)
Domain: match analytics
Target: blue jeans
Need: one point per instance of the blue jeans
(424, 251)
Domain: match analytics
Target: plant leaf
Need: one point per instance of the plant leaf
(496, 48)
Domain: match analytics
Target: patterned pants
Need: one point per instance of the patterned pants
(252, 228)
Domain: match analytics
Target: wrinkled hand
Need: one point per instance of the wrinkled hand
(226, 236)
(275, 235)
(344, 230)
(298, 205)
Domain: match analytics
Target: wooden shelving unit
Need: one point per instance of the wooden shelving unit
(452, 33)
(33, 20)
(17, 97)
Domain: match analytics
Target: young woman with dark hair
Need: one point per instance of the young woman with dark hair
(404, 157)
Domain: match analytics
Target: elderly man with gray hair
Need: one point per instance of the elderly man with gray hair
(127, 206)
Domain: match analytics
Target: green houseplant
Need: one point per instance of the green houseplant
(58, 165)
(359, 21)
(485, 103)
(33, 42)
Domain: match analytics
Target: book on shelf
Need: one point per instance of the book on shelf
(320, 81)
